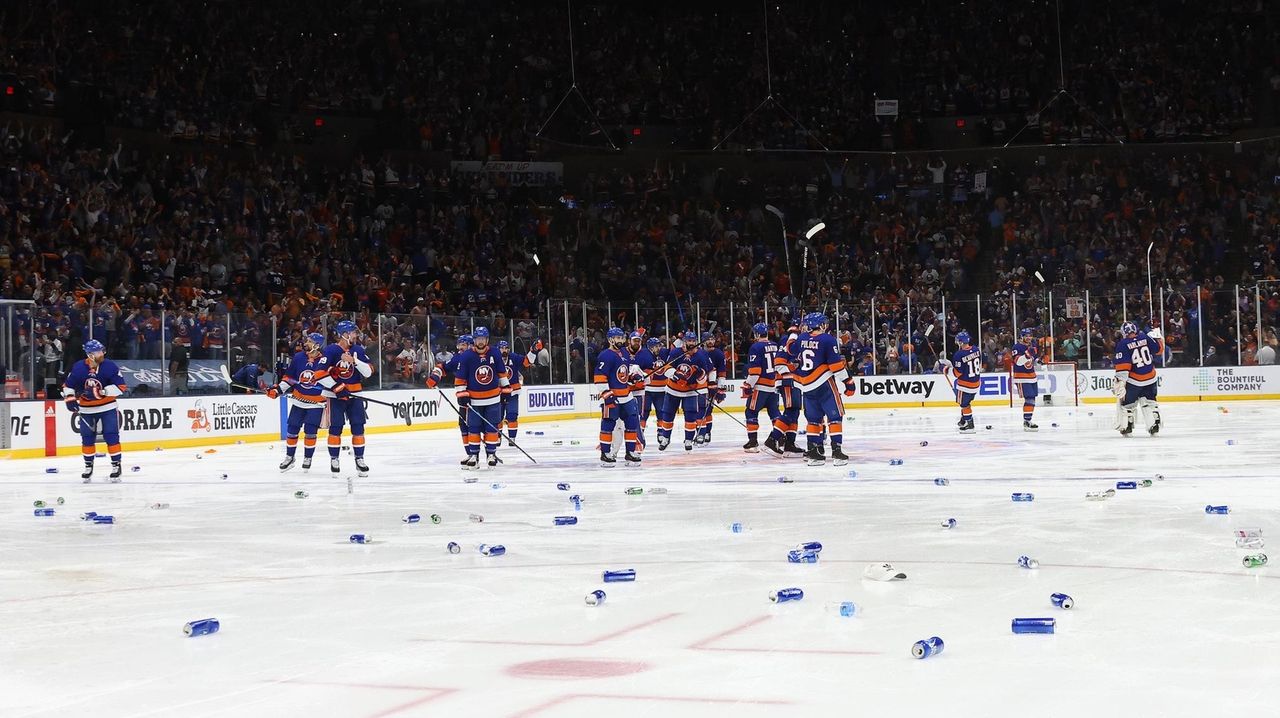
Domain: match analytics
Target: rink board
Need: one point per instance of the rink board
(47, 428)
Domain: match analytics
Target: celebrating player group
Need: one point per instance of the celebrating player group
(635, 377)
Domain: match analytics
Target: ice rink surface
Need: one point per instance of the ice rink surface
(1167, 620)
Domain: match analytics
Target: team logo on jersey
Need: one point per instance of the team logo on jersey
(344, 370)
(684, 372)
(622, 374)
(307, 378)
(93, 388)
(484, 374)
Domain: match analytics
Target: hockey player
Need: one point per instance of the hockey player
(715, 386)
(820, 374)
(451, 367)
(515, 370)
(247, 376)
(782, 439)
(348, 365)
(1135, 382)
(759, 387)
(302, 382)
(615, 377)
(481, 380)
(650, 359)
(634, 347)
(90, 391)
(966, 364)
(686, 371)
(1026, 354)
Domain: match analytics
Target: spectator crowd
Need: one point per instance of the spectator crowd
(232, 255)
(481, 78)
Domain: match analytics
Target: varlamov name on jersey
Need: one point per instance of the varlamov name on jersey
(891, 387)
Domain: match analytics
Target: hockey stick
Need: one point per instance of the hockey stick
(403, 407)
(675, 293)
(496, 430)
(726, 413)
(808, 247)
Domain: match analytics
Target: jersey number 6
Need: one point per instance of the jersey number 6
(806, 361)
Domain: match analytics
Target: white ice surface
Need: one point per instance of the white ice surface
(1167, 621)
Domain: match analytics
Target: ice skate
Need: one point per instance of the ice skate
(362, 469)
(607, 461)
(87, 475)
(771, 447)
(751, 447)
(838, 457)
(633, 461)
(812, 457)
(116, 471)
(1030, 426)
(287, 463)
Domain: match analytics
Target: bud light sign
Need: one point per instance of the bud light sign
(546, 400)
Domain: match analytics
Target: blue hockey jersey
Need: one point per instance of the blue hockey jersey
(94, 387)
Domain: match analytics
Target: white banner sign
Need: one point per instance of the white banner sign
(224, 417)
(549, 400)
